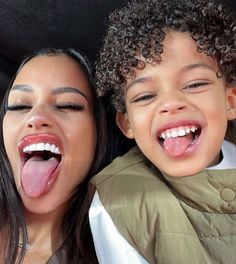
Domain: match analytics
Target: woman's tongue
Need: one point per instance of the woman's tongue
(176, 146)
(36, 175)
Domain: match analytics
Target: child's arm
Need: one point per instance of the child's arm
(110, 246)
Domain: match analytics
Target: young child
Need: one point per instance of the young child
(169, 67)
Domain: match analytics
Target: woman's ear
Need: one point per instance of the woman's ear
(122, 122)
(231, 103)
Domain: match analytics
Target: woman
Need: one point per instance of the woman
(51, 123)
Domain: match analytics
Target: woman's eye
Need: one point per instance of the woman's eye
(18, 107)
(143, 98)
(70, 106)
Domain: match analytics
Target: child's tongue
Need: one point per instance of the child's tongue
(36, 175)
(175, 147)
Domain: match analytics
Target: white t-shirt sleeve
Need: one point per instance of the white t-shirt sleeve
(110, 246)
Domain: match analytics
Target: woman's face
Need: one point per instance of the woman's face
(49, 131)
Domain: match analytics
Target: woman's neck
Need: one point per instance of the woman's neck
(44, 231)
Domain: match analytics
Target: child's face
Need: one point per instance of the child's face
(178, 111)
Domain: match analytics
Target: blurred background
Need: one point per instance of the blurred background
(27, 25)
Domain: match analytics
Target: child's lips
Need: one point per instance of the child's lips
(180, 140)
(178, 131)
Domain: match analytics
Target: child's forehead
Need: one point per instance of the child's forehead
(181, 47)
(176, 41)
(180, 51)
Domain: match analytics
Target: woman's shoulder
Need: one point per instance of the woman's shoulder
(59, 257)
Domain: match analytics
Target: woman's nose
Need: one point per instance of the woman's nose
(38, 119)
(37, 122)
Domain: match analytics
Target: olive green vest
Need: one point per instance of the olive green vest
(171, 220)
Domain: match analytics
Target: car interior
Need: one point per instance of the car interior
(28, 25)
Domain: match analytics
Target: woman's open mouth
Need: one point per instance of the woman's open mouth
(40, 161)
(44, 150)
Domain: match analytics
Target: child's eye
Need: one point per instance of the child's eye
(143, 98)
(196, 85)
(18, 107)
(70, 106)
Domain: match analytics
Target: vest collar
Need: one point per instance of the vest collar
(212, 190)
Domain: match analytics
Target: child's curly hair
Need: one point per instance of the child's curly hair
(139, 30)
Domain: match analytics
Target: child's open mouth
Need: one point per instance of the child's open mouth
(176, 141)
(40, 160)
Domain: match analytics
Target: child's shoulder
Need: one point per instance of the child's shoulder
(130, 163)
(128, 177)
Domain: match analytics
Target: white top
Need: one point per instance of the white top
(229, 157)
(110, 246)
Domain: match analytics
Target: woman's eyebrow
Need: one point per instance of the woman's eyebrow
(60, 90)
(22, 87)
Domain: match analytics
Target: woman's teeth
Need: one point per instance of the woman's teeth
(41, 147)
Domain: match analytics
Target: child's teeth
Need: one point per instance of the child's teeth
(194, 128)
(181, 132)
(187, 130)
(174, 134)
(163, 135)
(177, 132)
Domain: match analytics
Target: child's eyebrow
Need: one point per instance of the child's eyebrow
(137, 81)
(198, 65)
(184, 69)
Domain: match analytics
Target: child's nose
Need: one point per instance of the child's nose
(172, 106)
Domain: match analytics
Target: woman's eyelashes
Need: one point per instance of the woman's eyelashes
(69, 106)
(18, 107)
(63, 106)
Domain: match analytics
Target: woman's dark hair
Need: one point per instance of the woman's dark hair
(139, 29)
(77, 239)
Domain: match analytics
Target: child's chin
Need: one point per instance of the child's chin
(183, 171)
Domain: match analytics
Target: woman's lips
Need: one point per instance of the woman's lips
(41, 160)
(39, 138)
